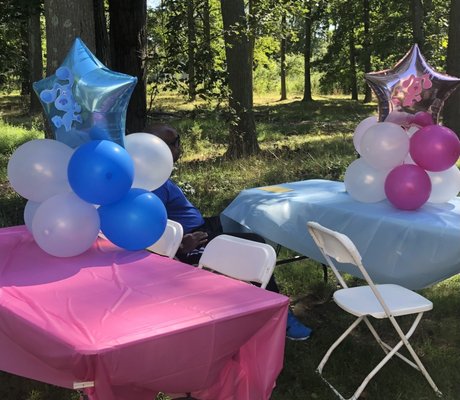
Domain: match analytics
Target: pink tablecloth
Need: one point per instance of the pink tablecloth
(135, 323)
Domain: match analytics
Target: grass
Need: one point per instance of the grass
(298, 141)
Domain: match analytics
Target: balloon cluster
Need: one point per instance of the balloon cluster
(407, 157)
(100, 186)
(79, 185)
(408, 166)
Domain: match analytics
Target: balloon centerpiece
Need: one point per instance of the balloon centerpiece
(86, 181)
(406, 156)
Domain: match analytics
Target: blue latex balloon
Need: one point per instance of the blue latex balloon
(83, 97)
(136, 221)
(100, 172)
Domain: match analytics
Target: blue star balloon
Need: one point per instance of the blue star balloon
(84, 100)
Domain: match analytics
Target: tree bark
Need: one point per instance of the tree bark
(65, 21)
(128, 42)
(243, 136)
(307, 57)
(101, 34)
(416, 11)
(34, 41)
(353, 79)
(367, 49)
(451, 112)
(191, 45)
(283, 59)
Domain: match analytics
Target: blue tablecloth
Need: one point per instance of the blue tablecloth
(411, 248)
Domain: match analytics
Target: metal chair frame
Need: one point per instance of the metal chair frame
(378, 301)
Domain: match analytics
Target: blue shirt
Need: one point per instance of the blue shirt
(178, 207)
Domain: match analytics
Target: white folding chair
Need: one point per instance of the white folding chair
(377, 301)
(169, 242)
(240, 259)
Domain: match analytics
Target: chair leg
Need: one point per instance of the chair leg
(390, 352)
(336, 344)
(405, 340)
(394, 351)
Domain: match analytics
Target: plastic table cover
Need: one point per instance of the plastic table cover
(135, 323)
(412, 248)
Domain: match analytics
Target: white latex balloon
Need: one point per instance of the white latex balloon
(360, 129)
(65, 226)
(37, 169)
(29, 213)
(445, 185)
(153, 162)
(385, 145)
(364, 182)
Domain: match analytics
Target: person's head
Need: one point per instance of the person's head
(169, 135)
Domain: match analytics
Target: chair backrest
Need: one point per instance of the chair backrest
(335, 245)
(239, 258)
(170, 241)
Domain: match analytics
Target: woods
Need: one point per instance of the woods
(221, 52)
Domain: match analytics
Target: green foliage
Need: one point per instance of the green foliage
(299, 141)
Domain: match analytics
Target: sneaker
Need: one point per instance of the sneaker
(295, 330)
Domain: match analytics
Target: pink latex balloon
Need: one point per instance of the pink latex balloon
(422, 118)
(434, 148)
(407, 187)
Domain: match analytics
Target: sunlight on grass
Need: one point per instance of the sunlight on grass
(298, 141)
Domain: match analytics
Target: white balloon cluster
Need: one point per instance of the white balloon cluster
(387, 168)
(62, 223)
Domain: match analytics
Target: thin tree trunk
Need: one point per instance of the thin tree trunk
(243, 136)
(283, 58)
(451, 110)
(128, 43)
(367, 48)
(416, 11)
(353, 79)
(191, 44)
(34, 40)
(207, 44)
(307, 56)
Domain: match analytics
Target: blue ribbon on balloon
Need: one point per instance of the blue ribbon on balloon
(84, 100)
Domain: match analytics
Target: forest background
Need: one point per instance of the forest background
(224, 52)
(263, 92)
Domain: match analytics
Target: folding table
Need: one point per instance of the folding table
(412, 248)
(135, 323)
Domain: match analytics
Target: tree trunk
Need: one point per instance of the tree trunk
(34, 41)
(307, 55)
(65, 21)
(191, 44)
(128, 42)
(243, 136)
(101, 34)
(353, 79)
(283, 59)
(207, 44)
(451, 110)
(416, 11)
(367, 49)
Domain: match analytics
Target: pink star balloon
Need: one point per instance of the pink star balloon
(411, 86)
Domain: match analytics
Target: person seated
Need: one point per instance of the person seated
(199, 230)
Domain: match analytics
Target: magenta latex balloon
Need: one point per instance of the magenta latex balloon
(407, 187)
(434, 148)
(422, 118)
